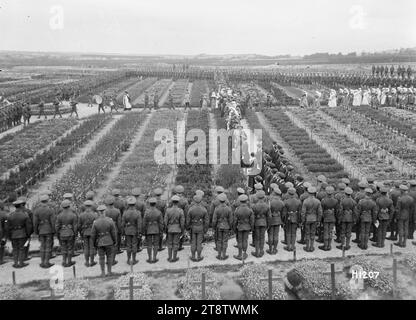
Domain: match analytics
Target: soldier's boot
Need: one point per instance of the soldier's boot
(393, 236)
(161, 248)
(174, 255)
(306, 248)
(134, 260)
(311, 247)
(239, 256)
(347, 243)
(275, 243)
(323, 247)
(22, 256)
(149, 254)
(219, 250)
(42, 259)
(199, 255)
(64, 257)
(113, 257)
(270, 250)
(404, 240)
(256, 253)
(48, 264)
(139, 245)
(224, 254)
(15, 259)
(399, 242)
(170, 254)
(87, 260)
(342, 245)
(328, 247)
(70, 262)
(2, 255)
(155, 251)
(92, 262)
(193, 253)
(26, 251)
(128, 256)
(109, 265)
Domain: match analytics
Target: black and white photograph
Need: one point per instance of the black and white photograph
(230, 151)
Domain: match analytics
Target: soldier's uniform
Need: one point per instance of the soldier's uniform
(346, 217)
(56, 104)
(357, 197)
(131, 226)
(161, 205)
(44, 227)
(261, 212)
(174, 222)
(104, 236)
(385, 212)
(412, 221)
(366, 212)
(19, 229)
(85, 222)
(222, 221)
(152, 227)
(405, 208)
(292, 218)
(339, 196)
(197, 221)
(114, 213)
(214, 204)
(329, 209)
(4, 215)
(311, 216)
(141, 208)
(41, 106)
(275, 220)
(66, 228)
(243, 223)
(394, 195)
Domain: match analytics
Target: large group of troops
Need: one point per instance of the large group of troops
(278, 200)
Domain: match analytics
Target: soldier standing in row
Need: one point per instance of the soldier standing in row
(141, 208)
(44, 227)
(119, 204)
(19, 227)
(346, 217)
(243, 223)
(27, 113)
(85, 222)
(131, 225)
(405, 208)
(275, 220)
(366, 212)
(174, 223)
(114, 213)
(197, 221)
(222, 221)
(292, 217)
(66, 230)
(152, 227)
(74, 108)
(161, 205)
(56, 105)
(311, 216)
(329, 208)
(104, 236)
(41, 107)
(261, 212)
(385, 212)
(4, 215)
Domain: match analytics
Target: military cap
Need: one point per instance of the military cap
(260, 194)
(321, 178)
(362, 184)
(131, 200)
(274, 170)
(101, 207)
(368, 190)
(152, 200)
(179, 189)
(412, 183)
(222, 197)
(307, 185)
(258, 186)
(291, 191)
(240, 191)
(324, 185)
(115, 192)
(273, 185)
(88, 203)
(403, 187)
(109, 200)
(370, 179)
(397, 184)
(197, 198)
(384, 190)
(199, 193)
(341, 186)
(44, 197)
(90, 195)
(68, 196)
(243, 198)
(158, 191)
(289, 185)
(346, 181)
(66, 204)
(328, 190)
(277, 190)
(349, 191)
(175, 198)
(312, 189)
(219, 189)
(136, 192)
(289, 167)
(271, 165)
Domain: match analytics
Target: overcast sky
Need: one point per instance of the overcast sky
(207, 26)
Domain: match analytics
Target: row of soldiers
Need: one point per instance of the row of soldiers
(400, 71)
